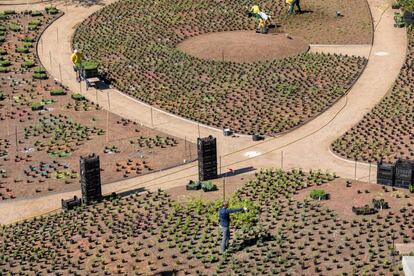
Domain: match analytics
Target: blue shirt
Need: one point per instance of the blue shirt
(224, 215)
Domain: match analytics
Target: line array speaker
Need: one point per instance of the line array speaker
(207, 158)
(90, 173)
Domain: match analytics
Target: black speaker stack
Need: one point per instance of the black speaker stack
(207, 158)
(385, 173)
(90, 173)
(400, 174)
(404, 173)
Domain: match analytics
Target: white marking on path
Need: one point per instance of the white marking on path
(252, 154)
(381, 54)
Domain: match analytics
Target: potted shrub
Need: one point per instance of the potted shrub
(193, 185)
(319, 194)
(57, 92)
(78, 97)
(36, 106)
(208, 186)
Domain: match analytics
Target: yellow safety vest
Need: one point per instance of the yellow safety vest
(255, 9)
(76, 58)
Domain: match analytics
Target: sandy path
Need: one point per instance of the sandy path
(306, 147)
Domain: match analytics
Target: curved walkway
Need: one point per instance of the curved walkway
(306, 147)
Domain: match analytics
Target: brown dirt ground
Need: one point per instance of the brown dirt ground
(180, 194)
(243, 46)
(342, 198)
(320, 25)
(20, 169)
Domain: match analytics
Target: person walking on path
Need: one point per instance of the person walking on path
(224, 218)
(292, 4)
(77, 59)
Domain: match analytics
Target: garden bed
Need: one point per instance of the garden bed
(343, 197)
(386, 132)
(151, 233)
(140, 56)
(55, 126)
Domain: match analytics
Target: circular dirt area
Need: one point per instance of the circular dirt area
(243, 46)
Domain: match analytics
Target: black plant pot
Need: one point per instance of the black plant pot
(257, 137)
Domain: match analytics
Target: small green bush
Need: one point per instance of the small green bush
(22, 50)
(32, 27)
(28, 64)
(36, 106)
(27, 45)
(3, 52)
(15, 27)
(39, 70)
(2, 38)
(35, 22)
(89, 65)
(3, 16)
(27, 39)
(208, 186)
(39, 76)
(4, 69)
(78, 97)
(2, 96)
(47, 101)
(318, 194)
(57, 92)
(51, 10)
(36, 13)
(9, 12)
(2, 28)
(5, 63)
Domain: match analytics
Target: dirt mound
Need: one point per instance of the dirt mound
(243, 46)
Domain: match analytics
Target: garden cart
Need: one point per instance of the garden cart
(88, 72)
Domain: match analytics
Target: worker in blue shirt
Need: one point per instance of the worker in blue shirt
(224, 218)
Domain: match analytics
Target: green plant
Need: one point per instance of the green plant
(3, 16)
(40, 76)
(28, 63)
(4, 63)
(78, 97)
(318, 194)
(2, 96)
(9, 12)
(36, 106)
(58, 92)
(208, 186)
(90, 65)
(15, 27)
(27, 39)
(22, 50)
(36, 13)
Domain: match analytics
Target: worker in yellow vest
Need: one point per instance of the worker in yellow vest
(77, 59)
(264, 22)
(255, 10)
